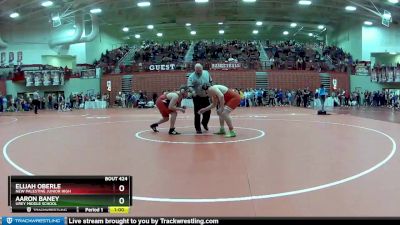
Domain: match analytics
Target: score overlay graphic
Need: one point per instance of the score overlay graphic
(75, 194)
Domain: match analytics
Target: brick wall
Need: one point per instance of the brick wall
(158, 82)
(343, 80)
(235, 79)
(293, 79)
(116, 82)
(3, 90)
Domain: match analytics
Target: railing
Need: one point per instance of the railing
(130, 53)
(223, 65)
(182, 66)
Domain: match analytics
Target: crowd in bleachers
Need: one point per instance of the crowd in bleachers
(316, 56)
(109, 60)
(157, 53)
(232, 51)
(280, 55)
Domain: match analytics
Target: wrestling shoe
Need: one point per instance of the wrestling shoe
(220, 132)
(154, 127)
(172, 131)
(230, 134)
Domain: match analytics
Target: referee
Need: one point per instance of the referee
(36, 101)
(200, 99)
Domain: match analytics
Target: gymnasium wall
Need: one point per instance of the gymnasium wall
(78, 85)
(348, 37)
(3, 89)
(293, 79)
(380, 39)
(158, 82)
(32, 40)
(101, 44)
(343, 80)
(385, 58)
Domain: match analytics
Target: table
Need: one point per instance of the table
(95, 105)
(328, 103)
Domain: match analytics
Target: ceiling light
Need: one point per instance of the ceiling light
(221, 31)
(95, 11)
(285, 32)
(47, 3)
(249, 0)
(159, 34)
(321, 27)
(255, 31)
(368, 23)
(393, 53)
(201, 1)
(188, 24)
(193, 32)
(304, 2)
(143, 4)
(293, 25)
(220, 23)
(259, 23)
(150, 27)
(310, 34)
(137, 36)
(394, 1)
(125, 29)
(14, 15)
(351, 8)
(55, 18)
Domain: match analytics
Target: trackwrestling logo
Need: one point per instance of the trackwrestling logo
(33, 220)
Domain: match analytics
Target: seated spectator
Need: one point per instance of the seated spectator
(238, 51)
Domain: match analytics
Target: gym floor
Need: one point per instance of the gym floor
(285, 161)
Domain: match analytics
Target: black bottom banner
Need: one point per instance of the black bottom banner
(212, 221)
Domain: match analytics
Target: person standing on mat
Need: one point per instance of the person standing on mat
(169, 104)
(226, 100)
(35, 101)
(322, 96)
(200, 99)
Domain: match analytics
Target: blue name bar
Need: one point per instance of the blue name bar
(14, 220)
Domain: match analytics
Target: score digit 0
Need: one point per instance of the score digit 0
(121, 188)
(121, 200)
